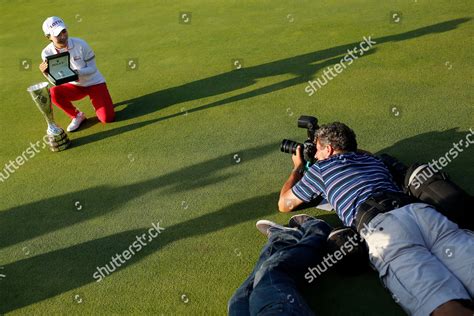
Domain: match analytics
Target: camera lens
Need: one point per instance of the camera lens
(289, 146)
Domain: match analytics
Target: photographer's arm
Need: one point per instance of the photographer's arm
(288, 200)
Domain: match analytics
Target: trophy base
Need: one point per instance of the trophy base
(61, 147)
(58, 142)
(54, 130)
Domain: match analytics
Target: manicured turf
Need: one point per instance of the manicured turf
(182, 116)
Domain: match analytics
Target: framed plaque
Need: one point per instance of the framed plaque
(59, 69)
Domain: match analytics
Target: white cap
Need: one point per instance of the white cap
(53, 26)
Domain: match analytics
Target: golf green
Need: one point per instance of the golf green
(204, 92)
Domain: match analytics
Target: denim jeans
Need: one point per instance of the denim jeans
(272, 287)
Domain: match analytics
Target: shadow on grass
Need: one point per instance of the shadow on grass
(304, 67)
(35, 279)
(35, 219)
(436, 144)
(41, 277)
(147, 100)
(89, 123)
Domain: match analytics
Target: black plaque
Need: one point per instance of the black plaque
(59, 69)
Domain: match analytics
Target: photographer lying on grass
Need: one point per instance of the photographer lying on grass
(408, 241)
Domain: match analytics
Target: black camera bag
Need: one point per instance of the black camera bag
(438, 190)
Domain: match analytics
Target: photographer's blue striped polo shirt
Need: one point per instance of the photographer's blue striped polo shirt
(345, 180)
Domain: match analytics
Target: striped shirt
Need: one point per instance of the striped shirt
(345, 181)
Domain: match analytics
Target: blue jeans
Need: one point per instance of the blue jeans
(272, 287)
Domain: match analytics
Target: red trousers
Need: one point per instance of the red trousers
(62, 96)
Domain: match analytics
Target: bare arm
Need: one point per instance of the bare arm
(288, 200)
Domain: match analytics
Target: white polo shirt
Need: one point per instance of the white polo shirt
(82, 60)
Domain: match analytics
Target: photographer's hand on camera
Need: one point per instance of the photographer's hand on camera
(298, 161)
(288, 200)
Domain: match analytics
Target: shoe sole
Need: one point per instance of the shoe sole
(338, 231)
(263, 225)
(268, 224)
(294, 223)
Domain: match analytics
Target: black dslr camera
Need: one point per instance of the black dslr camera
(308, 148)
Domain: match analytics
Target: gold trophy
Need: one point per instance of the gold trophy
(57, 137)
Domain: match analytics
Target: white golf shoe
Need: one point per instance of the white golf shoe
(76, 122)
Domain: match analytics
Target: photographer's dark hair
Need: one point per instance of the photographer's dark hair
(338, 135)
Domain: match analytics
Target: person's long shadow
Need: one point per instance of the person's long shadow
(305, 67)
(34, 279)
(37, 218)
(37, 278)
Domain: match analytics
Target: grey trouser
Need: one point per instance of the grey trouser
(423, 258)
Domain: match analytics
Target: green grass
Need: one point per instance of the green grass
(157, 164)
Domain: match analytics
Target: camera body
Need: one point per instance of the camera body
(308, 147)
